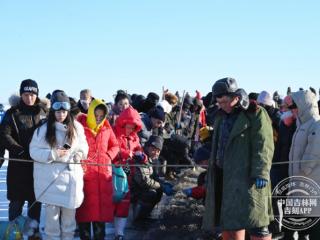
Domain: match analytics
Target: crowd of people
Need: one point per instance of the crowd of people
(68, 149)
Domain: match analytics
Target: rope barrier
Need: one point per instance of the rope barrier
(84, 162)
(131, 165)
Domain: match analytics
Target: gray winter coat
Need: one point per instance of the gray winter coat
(306, 139)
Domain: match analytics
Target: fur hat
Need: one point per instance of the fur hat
(224, 86)
(171, 98)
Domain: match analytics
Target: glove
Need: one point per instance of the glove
(261, 183)
(168, 189)
(77, 158)
(187, 192)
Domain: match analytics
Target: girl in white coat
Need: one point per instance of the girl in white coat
(58, 182)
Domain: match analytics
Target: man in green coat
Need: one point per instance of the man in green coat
(238, 191)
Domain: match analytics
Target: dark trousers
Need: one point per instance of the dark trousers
(218, 193)
(16, 206)
(2, 150)
(146, 201)
(315, 231)
(152, 196)
(98, 230)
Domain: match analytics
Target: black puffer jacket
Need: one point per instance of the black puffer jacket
(16, 133)
(282, 149)
(79, 105)
(176, 150)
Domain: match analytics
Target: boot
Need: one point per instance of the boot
(234, 235)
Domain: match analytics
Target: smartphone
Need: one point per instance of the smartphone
(66, 146)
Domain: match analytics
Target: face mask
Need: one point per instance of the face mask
(85, 104)
(287, 118)
(286, 114)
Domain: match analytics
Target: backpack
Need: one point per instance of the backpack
(120, 184)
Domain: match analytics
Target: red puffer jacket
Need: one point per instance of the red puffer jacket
(129, 145)
(103, 148)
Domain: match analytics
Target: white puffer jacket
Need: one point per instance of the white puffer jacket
(306, 140)
(59, 184)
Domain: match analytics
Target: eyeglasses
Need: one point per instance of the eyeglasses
(61, 105)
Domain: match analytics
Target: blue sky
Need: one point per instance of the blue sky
(141, 46)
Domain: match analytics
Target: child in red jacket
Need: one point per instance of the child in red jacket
(127, 125)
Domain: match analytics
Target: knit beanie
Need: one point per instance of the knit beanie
(29, 86)
(59, 96)
(157, 113)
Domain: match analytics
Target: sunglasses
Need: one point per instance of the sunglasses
(61, 105)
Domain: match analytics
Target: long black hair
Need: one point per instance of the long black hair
(51, 129)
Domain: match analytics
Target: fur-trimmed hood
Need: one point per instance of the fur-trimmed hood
(15, 98)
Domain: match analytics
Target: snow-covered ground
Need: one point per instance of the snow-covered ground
(3, 194)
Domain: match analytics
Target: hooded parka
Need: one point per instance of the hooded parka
(129, 145)
(103, 147)
(306, 139)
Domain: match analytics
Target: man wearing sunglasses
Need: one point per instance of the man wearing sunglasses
(238, 190)
(17, 130)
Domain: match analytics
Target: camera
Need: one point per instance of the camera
(66, 146)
